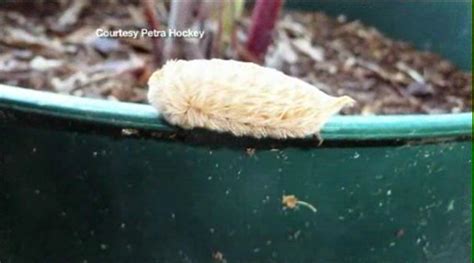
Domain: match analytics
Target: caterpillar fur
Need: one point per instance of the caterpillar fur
(242, 98)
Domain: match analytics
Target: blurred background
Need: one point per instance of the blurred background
(54, 46)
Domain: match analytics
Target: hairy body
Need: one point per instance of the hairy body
(240, 97)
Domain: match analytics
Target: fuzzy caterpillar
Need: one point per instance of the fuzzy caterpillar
(242, 98)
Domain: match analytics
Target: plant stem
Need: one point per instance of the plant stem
(264, 16)
(153, 24)
(217, 39)
(181, 18)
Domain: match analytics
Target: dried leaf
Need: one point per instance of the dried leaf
(41, 64)
(71, 15)
(304, 46)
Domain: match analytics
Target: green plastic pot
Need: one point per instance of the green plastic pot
(85, 180)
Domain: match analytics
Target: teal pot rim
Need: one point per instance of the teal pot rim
(140, 116)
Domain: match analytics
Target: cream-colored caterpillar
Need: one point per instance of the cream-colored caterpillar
(240, 97)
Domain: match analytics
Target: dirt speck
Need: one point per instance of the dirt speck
(250, 151)
(218, 257)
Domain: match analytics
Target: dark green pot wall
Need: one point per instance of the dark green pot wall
(145, 200)
(73, 188)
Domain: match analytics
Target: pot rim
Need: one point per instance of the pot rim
(141, 116)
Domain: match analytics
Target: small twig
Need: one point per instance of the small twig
(308, 205)
(290, 201)
(376, 69)
(410, 72)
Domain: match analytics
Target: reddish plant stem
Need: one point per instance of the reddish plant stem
(264, 16)
(153, 24)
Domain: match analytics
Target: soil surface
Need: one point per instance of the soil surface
(55, 48)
